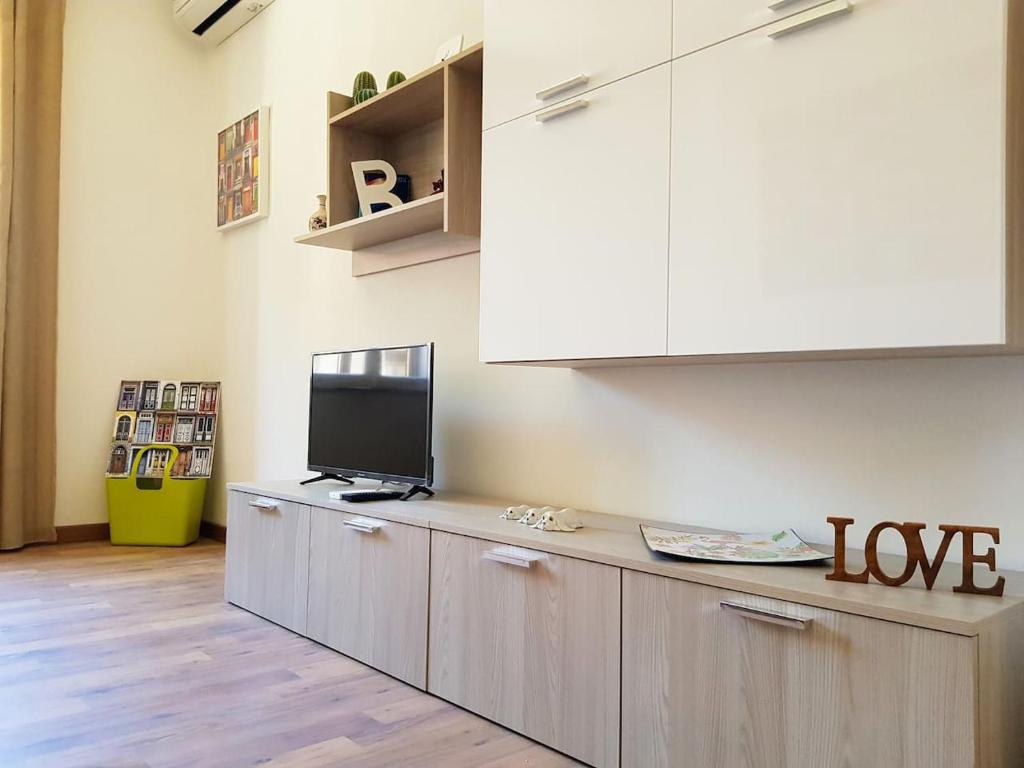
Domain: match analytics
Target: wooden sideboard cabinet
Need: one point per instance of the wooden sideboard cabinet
(589, 643)
(368, 591)
(530, 640)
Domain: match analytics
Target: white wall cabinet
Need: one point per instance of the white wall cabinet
(530, 640)
(368, 591)
(824, 199)
(846, 179)
(574, 240)
(770, 683)
(267, 562)
(539, 53)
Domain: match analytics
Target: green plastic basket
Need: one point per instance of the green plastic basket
(162, 511)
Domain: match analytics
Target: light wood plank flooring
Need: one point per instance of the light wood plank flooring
(123, 657)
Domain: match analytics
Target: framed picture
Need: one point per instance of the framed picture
(242, 154)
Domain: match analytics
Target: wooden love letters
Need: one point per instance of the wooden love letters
(916, 556)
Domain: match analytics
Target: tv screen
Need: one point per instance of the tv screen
(370, 413)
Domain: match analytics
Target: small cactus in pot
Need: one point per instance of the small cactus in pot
(364, 81)
(362, 95)
(395, 78)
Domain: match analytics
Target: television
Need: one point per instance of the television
(370, 414)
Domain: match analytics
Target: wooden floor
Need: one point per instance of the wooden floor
(122, 657)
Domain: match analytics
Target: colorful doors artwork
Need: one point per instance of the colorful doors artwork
(179, 413)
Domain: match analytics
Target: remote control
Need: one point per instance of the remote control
(367, 495)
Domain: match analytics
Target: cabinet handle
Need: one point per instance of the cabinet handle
(511, 557)
(778, 5)
(809, 18)
(565, 85)
(770, 617)
(362, 525)
(561, 109)
(263, 504)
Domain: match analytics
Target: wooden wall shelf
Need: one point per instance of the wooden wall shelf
(413, 218)
(429, 123)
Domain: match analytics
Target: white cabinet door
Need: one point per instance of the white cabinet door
(534, 45)
(700, 23)
(368, 582)
(267, 563)
(574, 236)
(841, 186)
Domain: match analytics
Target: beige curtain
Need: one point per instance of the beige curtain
(31, 43)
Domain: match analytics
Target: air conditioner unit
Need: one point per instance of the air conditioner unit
(214, 21)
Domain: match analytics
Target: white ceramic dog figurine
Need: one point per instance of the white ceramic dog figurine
(533, 514)
(559, 520)
(514, 513)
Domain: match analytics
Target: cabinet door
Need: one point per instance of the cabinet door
(841, 186)
(699, 23)
(267, 562)
(707, 686)
(368, 582)
(530, 640)
(574, 241)
(533, 46)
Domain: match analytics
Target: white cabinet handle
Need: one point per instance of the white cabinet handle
(362, 525)
(520, 559)
(263, 504)
(561, 109)
(809, 18)
(770, 617)
(562, 87)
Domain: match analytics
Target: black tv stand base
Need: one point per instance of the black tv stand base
(327, 476)
(413, 490)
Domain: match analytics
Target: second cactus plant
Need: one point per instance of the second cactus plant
(395, 78)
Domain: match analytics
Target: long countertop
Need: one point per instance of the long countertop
(616, 540)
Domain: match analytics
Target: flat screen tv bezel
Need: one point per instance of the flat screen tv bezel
(426, 480)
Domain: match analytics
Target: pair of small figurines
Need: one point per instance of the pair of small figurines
(544, 518)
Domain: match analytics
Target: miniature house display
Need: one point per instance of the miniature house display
(144, 428)
(124, 426)
(168, 396)
(208, 398)
(118, 464)
(150, 395)
(189, 397)
(128, 396)
(160, 414)
(164, 428)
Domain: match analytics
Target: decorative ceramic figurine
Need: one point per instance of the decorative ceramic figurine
(319, 218)
(559, 520)
(514, 513)
(533, 514)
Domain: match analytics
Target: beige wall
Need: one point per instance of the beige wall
(141, 281)
(741, 446)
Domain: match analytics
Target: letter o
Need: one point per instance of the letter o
(871, 555)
